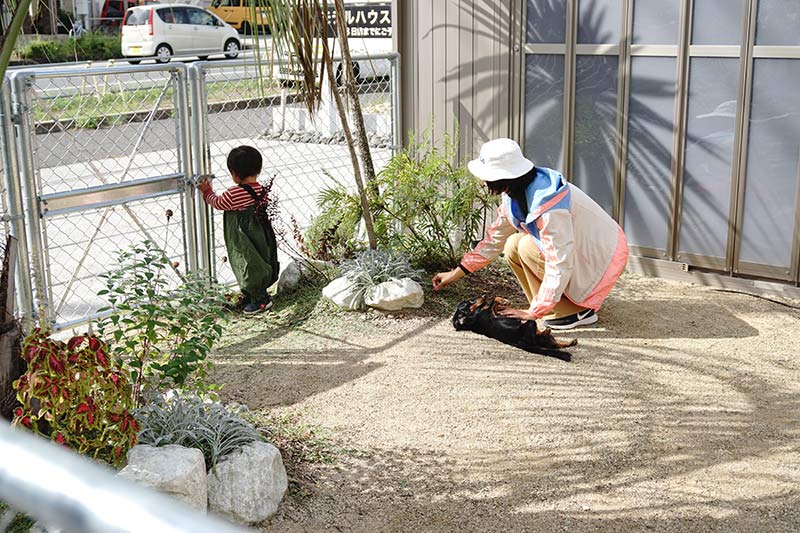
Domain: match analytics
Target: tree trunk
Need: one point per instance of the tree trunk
(362, 193)
(12, 366)
(11, 36)
(352, 94)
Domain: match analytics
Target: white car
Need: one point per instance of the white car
(165, 30)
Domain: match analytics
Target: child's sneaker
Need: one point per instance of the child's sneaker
(259, 306)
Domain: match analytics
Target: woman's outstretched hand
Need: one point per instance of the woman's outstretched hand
(443, 279)
(522, 314)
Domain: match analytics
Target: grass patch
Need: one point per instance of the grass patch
(303, 318)
(301, 446)
(102, 102)
(20, 524)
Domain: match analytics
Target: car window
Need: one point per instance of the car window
(200, 17)
(181, 15)
(166, 14)
(226, 3)
(138, 17)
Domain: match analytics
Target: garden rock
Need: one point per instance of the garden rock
(342, 292)
(395, 294)
(247, 486)
(172, 469)
(289, 277)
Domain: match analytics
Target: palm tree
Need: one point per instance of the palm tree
(9, 38)
(300, 30)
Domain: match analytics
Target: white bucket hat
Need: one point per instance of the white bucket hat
(500, 159)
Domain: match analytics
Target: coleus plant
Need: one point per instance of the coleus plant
(74, 394)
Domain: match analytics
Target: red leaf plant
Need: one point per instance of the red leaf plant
(73, 394)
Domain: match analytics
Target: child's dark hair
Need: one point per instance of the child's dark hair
(514, 188)
(245, 161)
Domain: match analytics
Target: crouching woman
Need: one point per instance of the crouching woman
(564, 249)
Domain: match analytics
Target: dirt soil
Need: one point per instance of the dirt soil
(680, 411)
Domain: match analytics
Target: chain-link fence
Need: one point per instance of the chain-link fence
(242, 103)
(101, 155)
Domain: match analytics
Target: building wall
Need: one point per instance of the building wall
(459, 68)
(679, 117)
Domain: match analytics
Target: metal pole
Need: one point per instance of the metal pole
(16, 210)
(198, 109)
(65, 490)
(397, 132)
(21, 84)
(184, 143)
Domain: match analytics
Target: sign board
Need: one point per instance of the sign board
(365, 21)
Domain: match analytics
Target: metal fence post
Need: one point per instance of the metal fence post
(16, 210)
(203, 219)
(20, 85)
(185, 140)
(397, 132)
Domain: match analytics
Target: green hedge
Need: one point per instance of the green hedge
(94, 46)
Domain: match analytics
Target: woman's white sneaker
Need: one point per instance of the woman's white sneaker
(584, 318)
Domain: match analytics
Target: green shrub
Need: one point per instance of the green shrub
(161, 334)
(435, 203)
(427, 207)
(43, 52)
(372, 267)
(332, 234)
(191, 422)
(92, 46)
(74, 394)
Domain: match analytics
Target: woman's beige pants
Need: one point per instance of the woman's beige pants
(527, 262)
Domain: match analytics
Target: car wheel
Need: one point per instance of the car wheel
(163, 53)
(134, 61)
(245, 29)
(232, 48)
(340, 74)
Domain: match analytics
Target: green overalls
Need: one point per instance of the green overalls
(252, 249)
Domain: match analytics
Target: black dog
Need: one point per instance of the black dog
(481, 316)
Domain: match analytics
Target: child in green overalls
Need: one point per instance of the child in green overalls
(252, 249)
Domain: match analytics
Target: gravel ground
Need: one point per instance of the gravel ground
(679, 411)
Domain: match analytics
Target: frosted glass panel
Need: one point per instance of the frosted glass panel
(717, 22)
(656, 21)
(547, 21)
(599, 21)
(778, 23)
(772, 163)
(650, 124)
(595, 127)
(544, 109)
(711, 118)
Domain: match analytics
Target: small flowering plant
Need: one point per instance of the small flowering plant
(74, 394)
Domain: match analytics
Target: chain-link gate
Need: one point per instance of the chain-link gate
(103, 156)
(240, 103)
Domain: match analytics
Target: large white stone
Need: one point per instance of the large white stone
(289, 277)
(341, 292)
(172, 469)
(247, 486)
(395, 294)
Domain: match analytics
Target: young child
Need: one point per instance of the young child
(252, 250)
